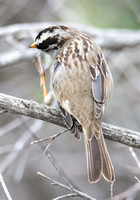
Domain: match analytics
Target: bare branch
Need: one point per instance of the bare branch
(52, 137)
(5, 149)
(15, 56)
(66, 196)
(111, 39)
(19, 146)
(112, 190)
(5, 188)
(107, 38)
(129, 192)
(61, 175)
(35, 110)
(10, 126)
(137, 179)
(134, 155)
(79, 193)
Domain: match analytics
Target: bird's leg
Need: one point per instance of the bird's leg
(48, 97)
(40, 69)
(43, 84)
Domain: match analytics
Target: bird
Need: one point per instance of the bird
(82, 85)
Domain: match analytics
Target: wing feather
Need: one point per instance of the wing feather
(98, 74)
(70, 123)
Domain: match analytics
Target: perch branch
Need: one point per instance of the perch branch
(32, 109)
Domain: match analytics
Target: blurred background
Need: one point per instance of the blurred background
(19, 160)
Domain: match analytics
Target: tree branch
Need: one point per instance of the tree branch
(107, 38)
(32, 109)
(111, 39)
(75, 191)
(15, 56)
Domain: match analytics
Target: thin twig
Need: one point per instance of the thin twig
(52, 138)
(15, 43)
(128, 192)
(111, 188)
(10, 126)
(15, 56)
(5, 188)
(23, 160)
(5, 149)
(134, 155)
(53, 182)
(66, 196)
(61, 175)
(19, 146)
(137, 179)
(49, 138)
(73, 190)
(48, 146)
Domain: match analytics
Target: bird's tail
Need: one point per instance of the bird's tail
(98, 160)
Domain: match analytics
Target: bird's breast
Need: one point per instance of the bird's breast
(73, 90)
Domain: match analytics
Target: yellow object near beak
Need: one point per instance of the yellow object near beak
(33, 45)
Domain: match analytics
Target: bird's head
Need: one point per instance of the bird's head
(53, 38)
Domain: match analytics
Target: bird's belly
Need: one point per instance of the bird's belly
(74, 92)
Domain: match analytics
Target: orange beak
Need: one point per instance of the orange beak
(33, 45)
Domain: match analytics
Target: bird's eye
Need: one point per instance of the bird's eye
(37, 43)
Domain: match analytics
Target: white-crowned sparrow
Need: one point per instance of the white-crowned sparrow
(82, 85)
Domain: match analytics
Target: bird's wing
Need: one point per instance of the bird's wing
(70, 123)
(98, 74)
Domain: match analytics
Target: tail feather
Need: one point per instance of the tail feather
(94, 166)
(108, 170)
(98, 160)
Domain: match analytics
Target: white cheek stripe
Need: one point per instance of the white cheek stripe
(46, 35)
